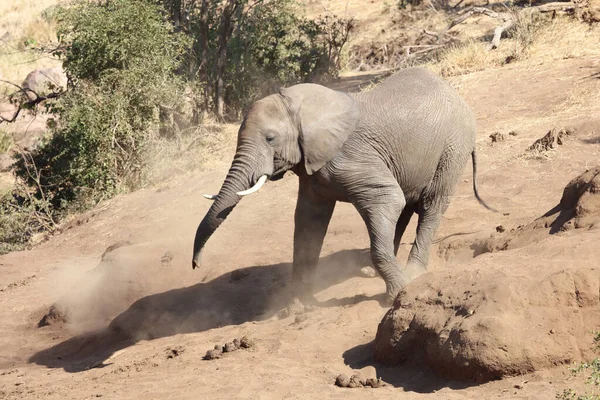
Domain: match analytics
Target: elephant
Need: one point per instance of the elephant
(396, 150)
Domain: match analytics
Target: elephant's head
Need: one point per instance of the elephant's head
(303, 126)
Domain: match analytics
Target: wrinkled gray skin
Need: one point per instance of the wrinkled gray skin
(394, 151)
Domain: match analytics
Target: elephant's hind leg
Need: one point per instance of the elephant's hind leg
(401, 225)
(432, 206)
(380, 206)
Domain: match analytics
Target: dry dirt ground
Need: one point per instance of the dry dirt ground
(164, 317)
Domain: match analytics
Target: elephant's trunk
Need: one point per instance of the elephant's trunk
(240, 177)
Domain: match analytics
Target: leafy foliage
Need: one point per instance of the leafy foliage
(276, 47)
(129, 64)
(270, 44)
(593, 379)
(121, 57)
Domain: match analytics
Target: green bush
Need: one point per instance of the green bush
(272, 44)
(21, 217)
(121, 57)
(128, 68)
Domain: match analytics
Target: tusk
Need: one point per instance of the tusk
(210, 196)
(261, 181)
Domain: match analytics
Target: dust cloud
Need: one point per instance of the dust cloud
(90, 293)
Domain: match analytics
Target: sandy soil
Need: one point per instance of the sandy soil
(148, 290)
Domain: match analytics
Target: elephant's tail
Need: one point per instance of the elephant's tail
(474, 158)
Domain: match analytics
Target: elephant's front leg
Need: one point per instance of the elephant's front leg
(311, 220)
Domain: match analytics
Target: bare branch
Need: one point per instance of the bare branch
(30, 104)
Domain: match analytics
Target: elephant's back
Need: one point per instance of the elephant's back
(409, 88)
(412, 119)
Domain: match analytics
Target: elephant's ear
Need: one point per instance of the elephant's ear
(325, 118)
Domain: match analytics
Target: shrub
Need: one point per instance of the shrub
(276, 47)
(121, 57)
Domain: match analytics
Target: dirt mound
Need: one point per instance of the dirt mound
(492, 323)
(579, 208)
(488, 324)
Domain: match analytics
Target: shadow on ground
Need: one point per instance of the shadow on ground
(248, 294)
(412, 378)
(593, 140)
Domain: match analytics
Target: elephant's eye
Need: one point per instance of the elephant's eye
(270, 138)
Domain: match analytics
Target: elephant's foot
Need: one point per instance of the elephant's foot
(412, 271)
(298, 307)
(393, 286)
(397, 283)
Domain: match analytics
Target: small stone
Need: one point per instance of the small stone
(368, 272)
(300, 318)
(246, 343)
(229, 347)
(518, 386)
(166, 259)
(497, 137)
(552, 331)
(513, 133)
(374, 383)
(238, 275)
(213, 354)
(236, 343)
(500, 229)
(342, 380)
(371, 382)
(354, 382)
(218, 347)
(172, 353)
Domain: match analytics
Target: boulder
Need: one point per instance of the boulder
(45, 80)
(508, 313)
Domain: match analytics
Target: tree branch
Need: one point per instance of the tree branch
(30, 104)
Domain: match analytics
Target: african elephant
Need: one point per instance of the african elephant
(395, 150)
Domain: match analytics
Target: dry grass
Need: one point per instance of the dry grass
(22, 26)
(565, 38)
(536, 39)
(466, 58)
(6, 141)
(198, 149)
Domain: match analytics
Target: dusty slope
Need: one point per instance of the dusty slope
(193, 310)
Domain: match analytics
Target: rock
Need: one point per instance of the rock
(53, 316)
(374, 383)
(368, 272)
(246, 343)
(342, 381)
(551, 140)
(579, 208)
(213, 354)
(106, 256)
(44, 81)
(174, 352)
(497, 137)
(238, 275)
(355, 382)
(229, 347)
(300, 318)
